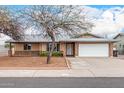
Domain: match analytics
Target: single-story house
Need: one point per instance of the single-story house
(86, 45)
(120, 44)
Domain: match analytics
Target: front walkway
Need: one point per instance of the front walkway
(78, 64)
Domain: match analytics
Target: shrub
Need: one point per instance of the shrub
(8, 45)
(54, 53)
(57, 54)
(43, 53)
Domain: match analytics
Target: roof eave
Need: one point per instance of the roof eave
(28, 41)
(92, 41)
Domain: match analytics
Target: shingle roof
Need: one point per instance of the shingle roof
(89, 40)
(38, 38)
(87, 34)
(119, 34)
(32, 38)
(71, 40)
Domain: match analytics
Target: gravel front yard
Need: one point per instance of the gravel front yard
(31, 62)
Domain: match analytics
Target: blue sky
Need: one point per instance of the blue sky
(16, 6)
(93, 6)
(105, 6)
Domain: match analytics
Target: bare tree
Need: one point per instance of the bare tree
(55, 20)
(9, 24)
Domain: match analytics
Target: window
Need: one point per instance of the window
(120, 45)
(27, 46)
(57, 47)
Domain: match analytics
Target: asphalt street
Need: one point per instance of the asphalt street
(62, 82)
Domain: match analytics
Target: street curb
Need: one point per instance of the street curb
(33, 68)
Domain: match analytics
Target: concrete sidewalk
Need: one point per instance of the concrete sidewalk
(45, 73)
(63, 73)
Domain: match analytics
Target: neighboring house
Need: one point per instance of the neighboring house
(86, 45)
(120, 44)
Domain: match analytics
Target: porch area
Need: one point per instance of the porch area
(20, 49)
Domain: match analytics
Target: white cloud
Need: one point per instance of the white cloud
(92, 13)
(109, 21)
(3, 38)
(120, 20)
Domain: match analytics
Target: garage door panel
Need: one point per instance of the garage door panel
(93, 50)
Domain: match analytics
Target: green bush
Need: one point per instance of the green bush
(55, 53)
(43, 53)
(8, 45)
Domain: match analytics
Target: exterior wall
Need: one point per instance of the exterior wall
(63, 48)
(13, 51)
(76, 49)
(40, 46)
(110, 49)
(18, 47)
(43, 46)
(35, 47)
(120, 45)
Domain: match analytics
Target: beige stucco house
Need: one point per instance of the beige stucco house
(86, 45)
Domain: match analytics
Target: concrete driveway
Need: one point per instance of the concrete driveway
(121, 57)
(99, 67)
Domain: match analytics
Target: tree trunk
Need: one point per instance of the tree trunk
(51, 50)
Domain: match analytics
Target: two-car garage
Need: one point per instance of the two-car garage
(93, 50)
(89, 47)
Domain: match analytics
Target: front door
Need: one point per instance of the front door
(70, 49)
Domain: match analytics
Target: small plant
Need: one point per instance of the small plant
(54, 53)
(57, 54)
(44, 53)
(7, 45)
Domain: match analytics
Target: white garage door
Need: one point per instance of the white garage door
(93, 50)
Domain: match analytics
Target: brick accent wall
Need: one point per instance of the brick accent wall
(63, 48)
(35, 47)
(18, 47)
(44, 46)
(76, 49)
